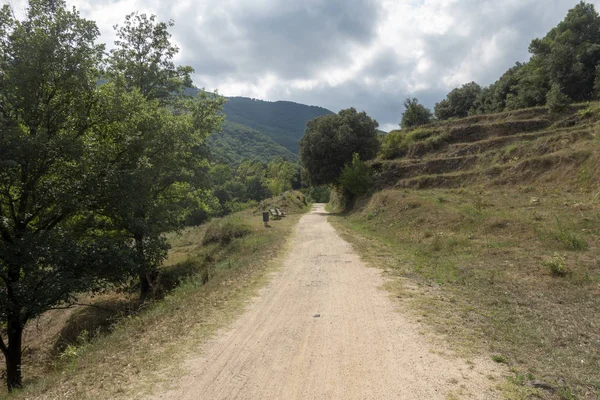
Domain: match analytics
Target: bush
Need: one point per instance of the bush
(557, 266)
(355, 177)
(224, 230)
(398, 143)
(556, 100)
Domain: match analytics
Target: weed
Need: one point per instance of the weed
(557, 265)
(570, 240)
(500, 359)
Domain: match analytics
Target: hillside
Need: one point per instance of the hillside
(236, 143)
(489, 228)
(282, 121)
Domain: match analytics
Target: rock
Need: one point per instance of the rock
(534, 200)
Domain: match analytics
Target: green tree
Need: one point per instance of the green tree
(155, 165)
(159, 153)
(281, 176)
(355, 177)
(330, 141)
(143, 56)
(415, 114)
(459, 102)
(557, 101)
(49, 247)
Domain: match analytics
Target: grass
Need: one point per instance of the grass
(212, 284)
(496, 274)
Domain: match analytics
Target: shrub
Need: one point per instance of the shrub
(557, 265)
(556, 100)
(224, 230)
(355, 177)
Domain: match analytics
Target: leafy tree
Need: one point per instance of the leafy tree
(154, 168)
(50, 247)
(143, 56)
(557, 100)
(415, 114)
(459, 102)
(355, 177)
(282, 175)
(330, 141)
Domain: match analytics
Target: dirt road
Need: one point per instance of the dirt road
(323, 329)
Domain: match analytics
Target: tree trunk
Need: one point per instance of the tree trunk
(142, 269)
(14, 379)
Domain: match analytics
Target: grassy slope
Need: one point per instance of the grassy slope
(475, 258)
(139, 352)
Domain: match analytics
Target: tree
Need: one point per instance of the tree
(355, 177)
(49, 247)
(143, 56)
(281, 176)
(160, 156)
(330, 141)
(155, 164)
(557, 101)
(459, 102)
(414, 114)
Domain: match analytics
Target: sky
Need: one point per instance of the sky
(367, 54)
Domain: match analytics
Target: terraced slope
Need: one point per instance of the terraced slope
(514, 147)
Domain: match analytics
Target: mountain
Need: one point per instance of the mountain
(237, 142)
(282, 121)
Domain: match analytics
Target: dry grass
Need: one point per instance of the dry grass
(474, 265)
(212, 283)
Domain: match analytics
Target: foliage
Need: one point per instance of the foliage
(282, 176)
(330, 142)
(284, 122)
(158, 154)
(317, 194)
(50, 247)
(415, 114)
(143, 56)
(459, 102)
(251, 181)
(557, 265)
(397, 143)
(557, 101)
(236, 143)
(567, 58)
(355, 177)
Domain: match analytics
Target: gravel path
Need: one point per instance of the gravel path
(324, 329)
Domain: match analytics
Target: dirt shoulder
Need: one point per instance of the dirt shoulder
(324, 329)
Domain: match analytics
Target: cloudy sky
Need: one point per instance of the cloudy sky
(370, 54)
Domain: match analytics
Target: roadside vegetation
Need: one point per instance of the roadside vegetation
(211, 272)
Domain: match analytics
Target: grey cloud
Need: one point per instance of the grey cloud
(289, 39)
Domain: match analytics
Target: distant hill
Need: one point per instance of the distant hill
(238, 142)
(282, 121)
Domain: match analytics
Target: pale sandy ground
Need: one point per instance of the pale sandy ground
(360, 347)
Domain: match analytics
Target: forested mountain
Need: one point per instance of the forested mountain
(282, 121)
(237, 143)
